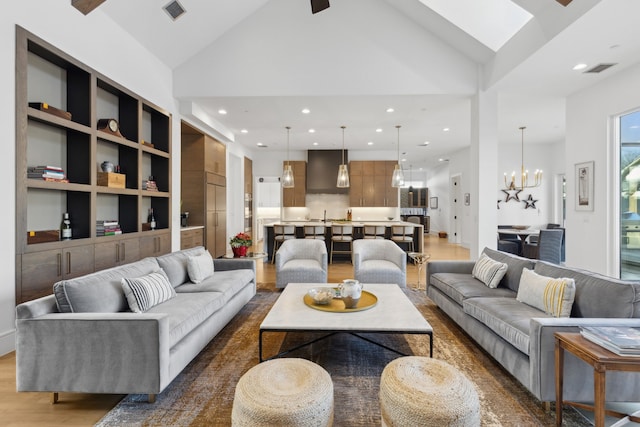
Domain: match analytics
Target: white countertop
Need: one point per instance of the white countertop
(191, 227)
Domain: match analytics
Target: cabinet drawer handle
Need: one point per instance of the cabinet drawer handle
(117, 252)
(68, 262)
(124, 251)
(59, 264)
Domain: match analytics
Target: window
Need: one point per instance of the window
(629, 140)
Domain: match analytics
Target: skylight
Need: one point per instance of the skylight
(491, 22)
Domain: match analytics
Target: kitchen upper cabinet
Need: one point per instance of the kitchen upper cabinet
(370, 184)
(296, 196)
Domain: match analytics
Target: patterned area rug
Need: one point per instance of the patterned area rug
(202, 395)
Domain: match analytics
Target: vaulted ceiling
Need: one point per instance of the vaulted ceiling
(263, 61)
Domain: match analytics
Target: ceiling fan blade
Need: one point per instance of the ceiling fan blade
(319, 5)
(565, 3)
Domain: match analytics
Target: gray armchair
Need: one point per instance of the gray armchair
(301, 260)
(379, 261)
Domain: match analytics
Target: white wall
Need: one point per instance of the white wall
(88, 39)
(547, 157)
(592, 236)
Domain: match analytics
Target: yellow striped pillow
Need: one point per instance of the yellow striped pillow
(552, 295)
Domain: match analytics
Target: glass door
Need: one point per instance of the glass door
(629, 139)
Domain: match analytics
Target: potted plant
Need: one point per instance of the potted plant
(239, 244)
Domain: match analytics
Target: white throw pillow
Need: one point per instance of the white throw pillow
(200, 267)
(147, 291)
(489, 271)
(552, 295)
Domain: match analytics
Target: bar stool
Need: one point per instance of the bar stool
(343, 235)
(374, 231)
(403, 234)
(314, 232)
(280, 234)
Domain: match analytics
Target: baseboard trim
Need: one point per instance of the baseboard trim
(7, 342)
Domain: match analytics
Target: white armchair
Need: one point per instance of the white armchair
(301, 260)
(379, 261)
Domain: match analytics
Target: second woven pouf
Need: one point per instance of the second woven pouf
(284, 392)
(420, 391)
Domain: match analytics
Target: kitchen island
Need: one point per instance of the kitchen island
(418, 232)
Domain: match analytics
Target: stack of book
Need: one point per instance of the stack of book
(149, 185)
(107, 228)
(48, 173)
(621, 340)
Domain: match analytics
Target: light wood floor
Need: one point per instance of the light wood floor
(34, 409)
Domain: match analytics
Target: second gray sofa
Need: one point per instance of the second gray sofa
(520, 337)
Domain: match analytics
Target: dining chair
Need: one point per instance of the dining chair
(341, 235)
(374, 231)
(281, 232)
(548, 248)
(509, 242)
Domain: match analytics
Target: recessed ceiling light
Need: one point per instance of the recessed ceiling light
(445, 130)
(443, 160)
(222, 111)
(244, 131)
(404, 160)
(312, 131)
(305, 111)
(369, 143)
(580, 66)
(390, 110)
(260, 144)
(424, 144)
(315, 143)
(378, 130)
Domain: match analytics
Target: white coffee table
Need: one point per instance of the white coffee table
(394, 313)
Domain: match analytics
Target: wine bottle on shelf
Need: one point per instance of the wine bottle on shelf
(65, 227)
(151, 219)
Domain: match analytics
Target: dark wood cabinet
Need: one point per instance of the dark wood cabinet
(141, 150)
(370, 184)
(203, 185)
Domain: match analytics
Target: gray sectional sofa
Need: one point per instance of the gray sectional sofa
(85, 339)
(520, 337)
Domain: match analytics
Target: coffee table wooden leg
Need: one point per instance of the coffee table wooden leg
(599, 385)
(559, 381)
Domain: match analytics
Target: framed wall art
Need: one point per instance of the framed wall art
(584, 186)
(433, 203)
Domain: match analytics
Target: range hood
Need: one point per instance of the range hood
(322, 171)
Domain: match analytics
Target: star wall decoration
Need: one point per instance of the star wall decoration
(529, 202)
(515, 196)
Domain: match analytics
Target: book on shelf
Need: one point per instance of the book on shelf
(621, 340)
(49, 173)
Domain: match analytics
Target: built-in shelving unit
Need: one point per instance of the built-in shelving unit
(141, 151)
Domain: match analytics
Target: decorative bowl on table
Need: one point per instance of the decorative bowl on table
(520, 227)
(321, 296)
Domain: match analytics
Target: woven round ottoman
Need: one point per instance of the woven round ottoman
(284, 392)
(420, 391)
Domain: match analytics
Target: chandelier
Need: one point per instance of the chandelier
(287, 173)
(343, 172)
(524, 173)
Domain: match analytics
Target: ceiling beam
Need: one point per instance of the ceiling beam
(86, 6)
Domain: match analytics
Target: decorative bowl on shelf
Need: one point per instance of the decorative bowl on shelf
(520, 227)
(321, 296)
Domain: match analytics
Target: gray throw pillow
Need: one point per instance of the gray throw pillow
(147, 291)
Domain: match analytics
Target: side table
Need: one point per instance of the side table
(601, 360)
(420, 259)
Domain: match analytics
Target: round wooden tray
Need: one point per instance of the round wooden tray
(367, 300)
